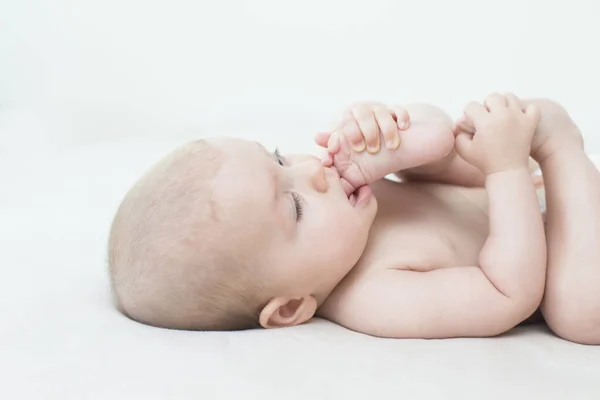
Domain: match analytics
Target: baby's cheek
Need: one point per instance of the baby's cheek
(349, 239)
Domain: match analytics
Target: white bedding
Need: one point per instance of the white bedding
(61, 338)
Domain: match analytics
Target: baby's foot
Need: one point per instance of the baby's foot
(371, 126)
(555, 130)
(408, 143)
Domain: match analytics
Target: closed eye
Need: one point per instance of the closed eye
(278, 157)
(298, 205)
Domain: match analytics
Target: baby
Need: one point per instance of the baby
(224, 235)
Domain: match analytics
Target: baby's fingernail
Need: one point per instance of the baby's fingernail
(373, 148)
(392, 143)
(358, 146)
(402, 124)
(333, 143)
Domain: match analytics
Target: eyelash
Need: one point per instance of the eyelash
(298, 204)
(278, 157)
(297, 200)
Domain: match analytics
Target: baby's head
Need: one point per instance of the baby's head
(223, 235)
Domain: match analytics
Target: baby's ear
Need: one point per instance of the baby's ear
(287, 311)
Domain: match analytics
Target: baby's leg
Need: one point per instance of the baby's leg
(451, 169)
(571, 304)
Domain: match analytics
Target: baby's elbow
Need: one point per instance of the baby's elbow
(528, 308)
(514, 312)
(531, 291)
(513, 309)
(524, 305)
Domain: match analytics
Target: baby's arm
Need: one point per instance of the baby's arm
(483, 300)
(452, 169)
(423, 154)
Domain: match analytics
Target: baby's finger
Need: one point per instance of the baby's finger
(333, 144)
(402, 117)
(533, 112)
(462, 144)
(368, 126)
(463, 124)
(461, 128)
(348, 188)
(475, 112)
(347, 114)
(495, 101)
(351, 130)
(387, 126)
(321, 138)
(513, 101)
(327, 160)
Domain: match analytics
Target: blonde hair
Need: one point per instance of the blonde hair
(168, 267)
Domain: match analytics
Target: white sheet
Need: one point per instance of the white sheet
(61, 338)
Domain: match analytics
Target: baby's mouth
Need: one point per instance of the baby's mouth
(360, 196)
(352, 199)
(350, 191)
(348, 187)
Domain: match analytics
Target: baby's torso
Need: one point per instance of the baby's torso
(422, 227)
(425, 226)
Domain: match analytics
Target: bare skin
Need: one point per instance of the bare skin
(571, 303)
(446, 256)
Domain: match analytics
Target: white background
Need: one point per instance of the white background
(93, 92)
(74, 71)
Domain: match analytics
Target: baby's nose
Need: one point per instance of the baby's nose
(315, 172)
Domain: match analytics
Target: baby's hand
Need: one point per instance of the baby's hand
(555, 130)
(393, 143)
(497, 136)
(365, 126)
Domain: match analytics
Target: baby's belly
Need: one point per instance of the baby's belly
(425, 228)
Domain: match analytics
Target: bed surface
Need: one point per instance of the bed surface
(62, 339)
